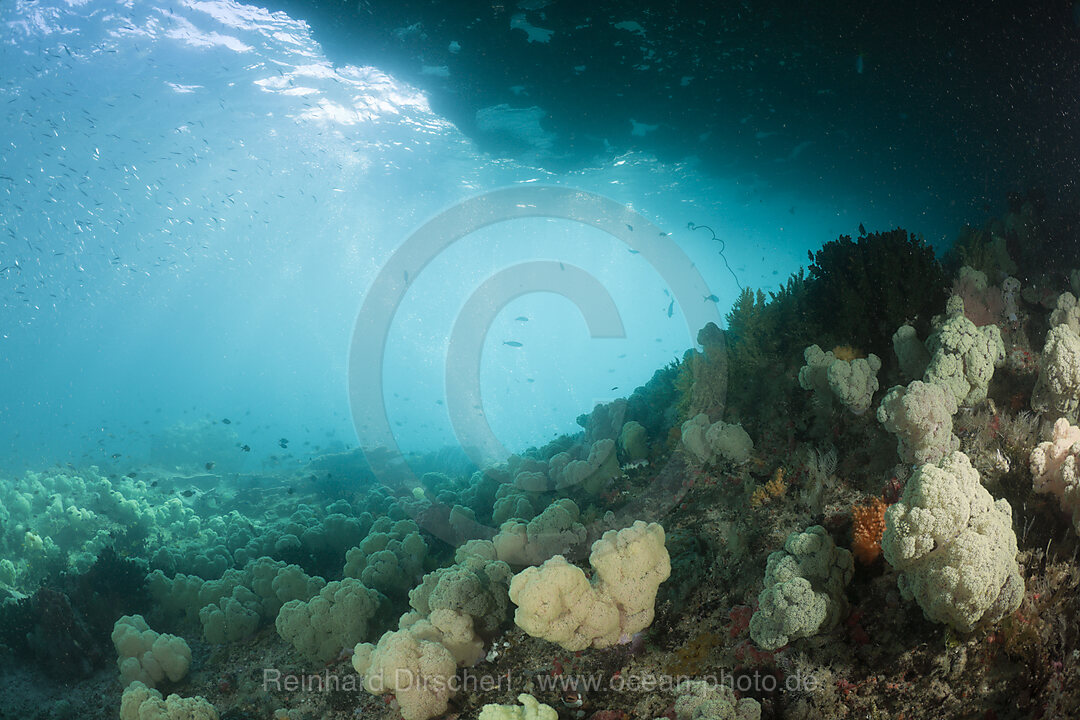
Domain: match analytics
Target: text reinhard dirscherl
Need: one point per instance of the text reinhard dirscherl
(466, 681)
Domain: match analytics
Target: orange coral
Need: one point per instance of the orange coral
(772, 489)
(867, 527)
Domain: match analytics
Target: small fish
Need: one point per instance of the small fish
(226, 421)
(513, 343)
(522, 318)
(615, 388)
(671, 308)
(629, 227)
(188, 493)
(245, 448)
(154, 484)
(291, 490)
(115, 455)
(711, 298)
(283, 443)
(130, 475)
(209, 466)
(633, 252)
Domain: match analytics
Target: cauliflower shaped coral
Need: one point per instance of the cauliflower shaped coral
(389, 559)
(1066, 312)
(232, 618)
(334, 619)
(557, 602)
(1055, 467)
(634, 441)
(706, 440)
(910, 352)
(418, 670)
(591, 474)
(530, 709)
(700, 700)
(804, 589)
(147, 656)
(555, 531)
(963, 356)
(920, 415)
(954, 546)
(142, 703)
(476, 584)
(853, 382)
(1058, 388)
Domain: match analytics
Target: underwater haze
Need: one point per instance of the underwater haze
(196, 199)
(621, 349)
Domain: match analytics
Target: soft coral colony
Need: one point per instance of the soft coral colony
(867, 484)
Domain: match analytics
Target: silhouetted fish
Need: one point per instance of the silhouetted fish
(513, 343)
(283, 443)
(209, 466)
(226, 421)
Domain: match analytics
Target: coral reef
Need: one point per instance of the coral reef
(725, 506)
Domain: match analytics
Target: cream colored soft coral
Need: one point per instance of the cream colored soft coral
(1057, 390)
(142, 703)
(920, 415)
(707, 441)
(553, 532)
(1066, 312)
(1054, 468)
(147, 656)
(558, 603)
(853, 382)
(804, 589)
(530, 709)
(416, 668)
(954, 546)
(963, 356)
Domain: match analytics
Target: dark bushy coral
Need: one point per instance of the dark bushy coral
(64, 627)
(861, 291)
(766, 335)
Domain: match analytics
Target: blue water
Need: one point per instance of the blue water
(195, 201)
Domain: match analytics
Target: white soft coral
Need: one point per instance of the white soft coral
(1057, 390)
(1054, 467)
